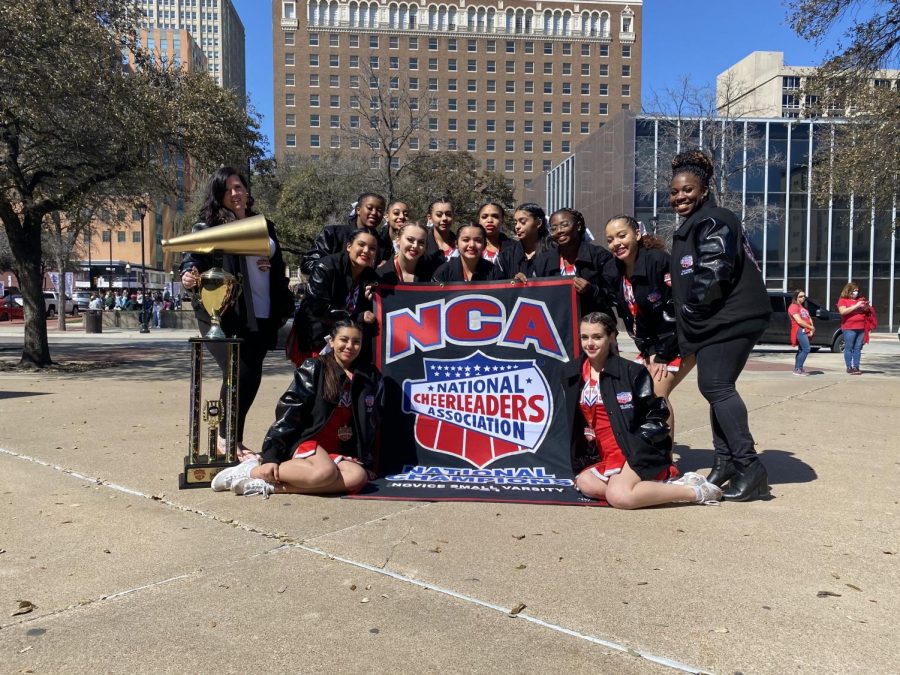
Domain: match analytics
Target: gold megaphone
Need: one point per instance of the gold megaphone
(249, 236)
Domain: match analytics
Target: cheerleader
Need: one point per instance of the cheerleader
(516, 261)
(368, 213)
(492, 217)
(408, 265)
(469, 265)
(396, 216)
(441, 243)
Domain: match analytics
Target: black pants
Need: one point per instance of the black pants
(253, 351)
(718, 368)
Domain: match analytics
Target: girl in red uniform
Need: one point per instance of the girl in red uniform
(626, 423)
(324, 435)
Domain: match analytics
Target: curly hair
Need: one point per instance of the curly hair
(695, 162)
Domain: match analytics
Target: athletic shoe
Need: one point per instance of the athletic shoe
(228, 477)
(855, 371)
(850, 371)
(800, 372)
(247, 487)
(689, 478)
(710, 493)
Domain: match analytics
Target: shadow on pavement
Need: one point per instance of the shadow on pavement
(782, 465)
(22, 394)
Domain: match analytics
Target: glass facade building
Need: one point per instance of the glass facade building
(765, 174)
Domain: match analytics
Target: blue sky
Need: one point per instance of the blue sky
(698, 38)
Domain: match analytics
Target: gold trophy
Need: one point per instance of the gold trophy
(218, 291)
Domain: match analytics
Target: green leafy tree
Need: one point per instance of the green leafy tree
(849, 84)
(86, 111)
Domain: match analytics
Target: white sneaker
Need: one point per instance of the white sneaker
(228, 477)
(689, 478)
(247, 487)
(710, 493)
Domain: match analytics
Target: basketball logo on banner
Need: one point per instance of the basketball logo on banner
(479, 408)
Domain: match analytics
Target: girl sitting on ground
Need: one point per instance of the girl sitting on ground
(625, 428)
(324, 437)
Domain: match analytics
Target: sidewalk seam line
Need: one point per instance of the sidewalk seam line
(287, 542)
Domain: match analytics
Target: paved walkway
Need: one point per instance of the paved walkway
(125, 573)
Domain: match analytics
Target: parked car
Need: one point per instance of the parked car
(12, 307)
(828, 324)
(51, 300)
(81, 299)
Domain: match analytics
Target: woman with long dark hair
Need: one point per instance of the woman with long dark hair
(721, 309)
(802, 330)
(625, 429)
(469, 265)
(326, 425)
(339, 287)
(516, 260)
(264, 303)
(440, 245)
(644, 301)
(492, 218)
(591, 267)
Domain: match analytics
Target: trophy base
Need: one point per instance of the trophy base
(200, 475)
(215, 333)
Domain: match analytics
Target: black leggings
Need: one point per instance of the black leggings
(718, 368)
(253, 351)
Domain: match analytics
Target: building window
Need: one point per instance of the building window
(413, 143)
(604, 50)
(394, 42)
(584, 128)
(509, 165)
(626, 106)
(354, 102)
(472, 66)
(313, 39)
(566, 147)
(566, 127)
(585, 108)
(529, 165)
(489, 165)
(394, 62)
(490, 105)
(790, 101)
(471, 85)
(373, 62)
(604, 70)
(452, 84)
(528, 126)
(432, 124)
(290, 100)
(626, 51)
(792, 82)
(373, 42)
(472, 46)
(603, 90)
(432, 84)
(626, 71)
(491, 46)
(528, 146)
(413, 43)
(529, 67)
(471, 145)
(313, 60)
(432, 144)
(626, 90)
(334, 121)
(510, 126)
(567, 68)
(510, 87)
(452, 104)
(567, 49)
(354, 61)
(334, 101)
(451, 65)
(548, 49)
(289, 39)
(414, 84)
(567, 89)
(313, 79)
(547, 146)
(471, 125)
(334, 40)
(313, 100)
(548, 87)
(548, 68)
(335, 141)
(586, 49)
(413, 63)
(548, 127)
(472, 105)
(334, 61)
(290, 120)
(432, 44)
(510, 106)
(491, 86)
(334, 81)
(451, 124)
(603, 109)
(354, 121)
(510, 47)
(314, 141)
(548, 107)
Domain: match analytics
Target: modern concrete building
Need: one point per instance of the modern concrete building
(799, 241)
(517, 83)
(216, 27)
(760, 85)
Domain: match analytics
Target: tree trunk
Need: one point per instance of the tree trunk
(25, 242)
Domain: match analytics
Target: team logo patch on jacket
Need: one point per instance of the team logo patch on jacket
(687, 261)
(479, 408)
(623, 397)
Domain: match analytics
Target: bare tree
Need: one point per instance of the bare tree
(390, 115)
(693, 116)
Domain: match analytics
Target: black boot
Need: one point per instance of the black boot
(751, 482)
(723, 470)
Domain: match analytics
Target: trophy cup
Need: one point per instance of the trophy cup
(218, 291)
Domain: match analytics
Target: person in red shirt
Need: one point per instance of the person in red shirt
(802, 330)
(857, 319)
(625, 428)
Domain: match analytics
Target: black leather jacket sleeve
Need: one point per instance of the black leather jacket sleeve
(716, 247)
(293, 414)
(326, 243)
(655, 428)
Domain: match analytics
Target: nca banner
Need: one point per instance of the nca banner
(475, 405)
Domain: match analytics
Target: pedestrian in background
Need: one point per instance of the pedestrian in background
(857, 320)
(802, 330)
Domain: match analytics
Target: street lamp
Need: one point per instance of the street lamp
(145, 327)
(128, 274)
(110, 260)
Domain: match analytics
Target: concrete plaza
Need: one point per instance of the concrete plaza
(122, 572)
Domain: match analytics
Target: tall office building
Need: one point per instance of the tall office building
(216, 27)
(760, 85)
(516, 83)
